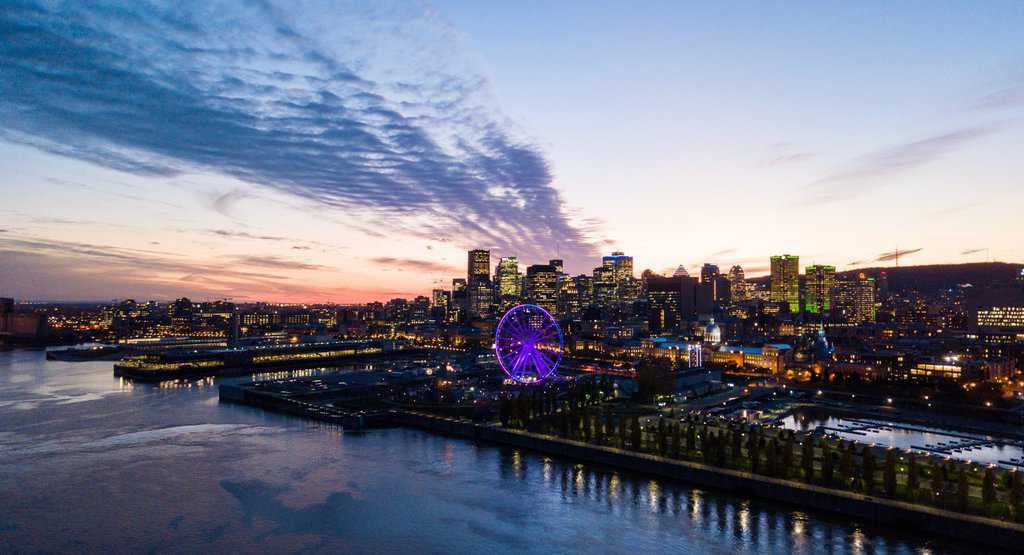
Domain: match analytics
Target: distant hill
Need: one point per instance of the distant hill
(934, 277)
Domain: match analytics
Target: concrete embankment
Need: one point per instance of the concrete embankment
(970, 528)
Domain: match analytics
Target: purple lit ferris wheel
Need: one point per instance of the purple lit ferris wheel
(528, 343)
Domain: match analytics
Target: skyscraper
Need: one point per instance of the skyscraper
(479, 266)
(708, 273)
(542, 287)
(558, 265)
(855, 299)
(506, 278)
(620, 265)
(786, 281)
(819, 281)
(737, 284)
(664, 303)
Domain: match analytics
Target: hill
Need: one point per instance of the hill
(935, 277)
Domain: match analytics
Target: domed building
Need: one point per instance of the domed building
(712, 333)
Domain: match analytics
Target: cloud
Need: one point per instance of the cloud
(972, 251)
(868, 172)
(724, 252)
(414, 265)
(790, 158)
(224, 203)
(96, 271)
(895, 255)
(245, 235)
(372, 111)
(275, 262)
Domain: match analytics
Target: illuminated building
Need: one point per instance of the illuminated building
(584, 285)
(620, 265)
(771, 357)
(708, 273)
(819, 282)
(1001, 317)
(854, 299)
(569, 305)
(558, 265)
(181, 313)
(737, 284)
(604, 287)
(479, 266)
(542, 287)
(786, 281)
(664, 303)
(507, 281)
(480, 296)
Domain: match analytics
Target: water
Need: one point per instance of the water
(92, 463)
(915, 437)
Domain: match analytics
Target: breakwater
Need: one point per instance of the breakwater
(1003, 535)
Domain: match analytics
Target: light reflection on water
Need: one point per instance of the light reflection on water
(139, 467)
(903, 438)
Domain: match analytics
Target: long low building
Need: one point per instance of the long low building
(195, 362)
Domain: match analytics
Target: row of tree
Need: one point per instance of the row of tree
(785, 454)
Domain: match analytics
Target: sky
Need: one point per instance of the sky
(347, 151)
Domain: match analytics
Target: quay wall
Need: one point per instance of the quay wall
(970, 528)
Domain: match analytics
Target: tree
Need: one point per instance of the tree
(634, 434)
(827, 464)
(737, 448)
(754, 451)
(772, 458)
(662, 437)
(938, 483)
(622, 431)
(787, 457)
(868, 469)
(988, 488)
(961, 491)
(677, 439)
(720, 450)
(913, 478)
(691, 437)
(890, 474)
(807, 458)
(608, 431)
(1017, 494)
(654, 377)
(846, 466)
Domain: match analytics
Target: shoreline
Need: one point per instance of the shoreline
(920, 518)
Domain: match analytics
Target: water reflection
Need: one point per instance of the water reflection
(192, 475)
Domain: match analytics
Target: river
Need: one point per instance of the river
(89, 462)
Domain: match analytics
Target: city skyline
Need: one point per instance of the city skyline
(335, 154)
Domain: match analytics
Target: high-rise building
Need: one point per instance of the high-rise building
(542, 287)
(605, 291)
(479, 266)
(585, 290)
(439, 304)
(708, 273)
(569, 305)
(480, 294)
(818, 283)
(620, 265)
(506, 278)
(558, 265)
(854, 299)
(737, 284)
(786, 281)
(664, 303)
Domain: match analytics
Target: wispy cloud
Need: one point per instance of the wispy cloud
(371, 111)
(869, 171)
(972, 251)
(98, 271)
(414, 265)
(245, 235)
(896, 254)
